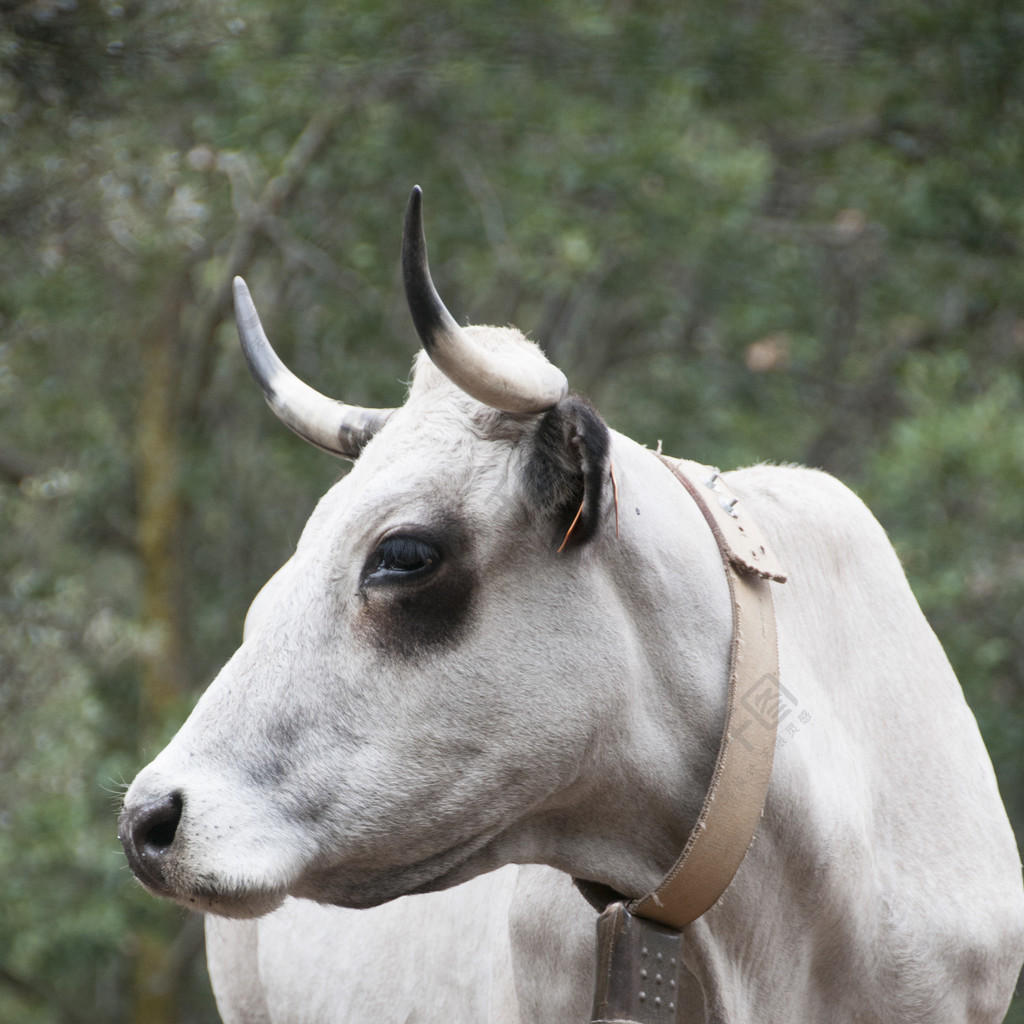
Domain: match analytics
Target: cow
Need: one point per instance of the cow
(497, 661)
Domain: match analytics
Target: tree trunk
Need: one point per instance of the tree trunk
(158, 490)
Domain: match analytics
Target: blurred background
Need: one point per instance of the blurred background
(788, 232)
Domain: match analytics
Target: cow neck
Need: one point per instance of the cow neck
(735, 798)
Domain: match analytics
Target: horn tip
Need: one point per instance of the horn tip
(241, 291)
(414, 214)
(415, 203)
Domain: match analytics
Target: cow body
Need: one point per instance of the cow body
(883, 883)
(484, 652)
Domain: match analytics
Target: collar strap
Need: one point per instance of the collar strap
(739, 784)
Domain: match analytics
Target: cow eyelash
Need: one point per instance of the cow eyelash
(399, 559)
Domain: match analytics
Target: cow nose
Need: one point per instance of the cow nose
(147, 834)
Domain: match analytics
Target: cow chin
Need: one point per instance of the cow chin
(235, 905)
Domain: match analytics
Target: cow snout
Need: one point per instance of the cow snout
(147, 834)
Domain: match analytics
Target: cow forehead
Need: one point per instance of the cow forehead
(416, 483)
(432, 459)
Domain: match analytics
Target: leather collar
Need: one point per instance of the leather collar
(735, 798)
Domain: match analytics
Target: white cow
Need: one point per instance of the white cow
(432, 703)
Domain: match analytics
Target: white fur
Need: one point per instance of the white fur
(574, 726)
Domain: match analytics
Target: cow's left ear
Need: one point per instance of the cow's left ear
(568, 470)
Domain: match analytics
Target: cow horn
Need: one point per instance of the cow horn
(333, 426)
(502, 382)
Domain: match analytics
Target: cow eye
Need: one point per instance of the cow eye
(397, 559)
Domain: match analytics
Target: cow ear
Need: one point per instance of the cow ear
(568, 469)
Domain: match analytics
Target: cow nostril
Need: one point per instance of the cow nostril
(147, 833)
(157, 830)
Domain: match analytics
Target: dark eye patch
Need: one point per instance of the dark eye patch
(418, 585)
(400, 559)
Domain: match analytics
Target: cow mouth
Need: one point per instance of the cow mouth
(208, 897)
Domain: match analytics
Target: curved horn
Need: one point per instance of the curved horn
(333, 426)
(510, 384)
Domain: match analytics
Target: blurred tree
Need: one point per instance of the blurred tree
(787, 232)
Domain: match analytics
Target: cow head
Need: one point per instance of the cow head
(422, 689)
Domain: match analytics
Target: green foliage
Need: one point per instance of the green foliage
(947, 484)
(788, 232)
